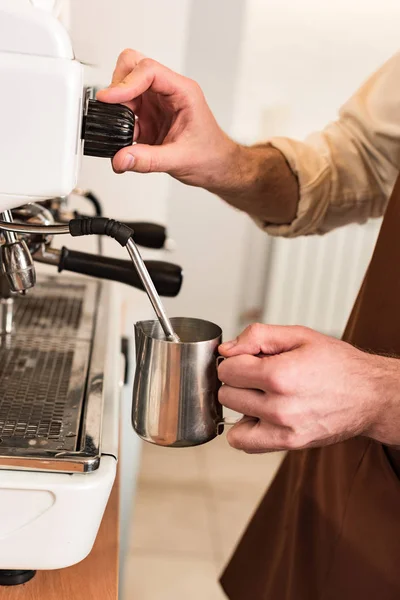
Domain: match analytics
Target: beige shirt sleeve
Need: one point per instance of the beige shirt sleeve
(347, 171)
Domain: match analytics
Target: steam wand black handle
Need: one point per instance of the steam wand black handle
(148, 235)
(166, 277)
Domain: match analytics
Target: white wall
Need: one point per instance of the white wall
(209, 233)
(308, 56)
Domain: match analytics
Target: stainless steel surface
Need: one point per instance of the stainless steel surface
(6, 315)
(175, 395)
(91, 440)
(10, 236)
(42, 229)
(15, 260)
(51, 379)
(42, 392)
(59, 307)
(151, 292)
(34, 213)
(48, 256)
(17, 265)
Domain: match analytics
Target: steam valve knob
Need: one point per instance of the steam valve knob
(107, 128)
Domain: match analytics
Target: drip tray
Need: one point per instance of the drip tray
(51, 380)
(42, 387)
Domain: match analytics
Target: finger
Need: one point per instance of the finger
(276, 410)
(245, 371)
(136, 130)
(265, 339)
(247, 402)
(144, 158)
(148, 75)
(127, 61)
(108, 95)
(134, 105)
(255, 437)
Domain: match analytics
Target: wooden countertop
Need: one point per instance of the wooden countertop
(95, 578)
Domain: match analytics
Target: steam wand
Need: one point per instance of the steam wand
(123, 235)
(151, 291)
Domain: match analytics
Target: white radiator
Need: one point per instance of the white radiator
(314, 280)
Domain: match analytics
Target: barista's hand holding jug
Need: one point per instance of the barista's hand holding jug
(175, 393)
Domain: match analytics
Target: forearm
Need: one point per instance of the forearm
(259, 181)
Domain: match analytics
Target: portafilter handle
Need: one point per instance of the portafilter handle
(167, 277)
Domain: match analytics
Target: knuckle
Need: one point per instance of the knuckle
(193, 85)
(294, 438)
(288, 377)
(127, 54)
(280, 417)
(290, 440)
(277, 381)
(286, 416)
(302, 331)
(241, 442)
(192, 91)
(148, 63)
(256, 328)
(301, 328)
(253, 331)
(234, 440)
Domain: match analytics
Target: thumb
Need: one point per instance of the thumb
(265, 339)
(143, 158)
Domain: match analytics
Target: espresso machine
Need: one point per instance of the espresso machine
(60, 350)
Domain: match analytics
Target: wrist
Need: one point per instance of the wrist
(384, 385)
(239, 170)
(259, 181)
(224, 168)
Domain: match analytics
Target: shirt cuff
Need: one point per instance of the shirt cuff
(313, 173)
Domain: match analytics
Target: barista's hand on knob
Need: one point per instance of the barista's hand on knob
(301, 389)
(176, 131)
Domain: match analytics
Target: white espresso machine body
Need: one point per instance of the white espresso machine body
(41, 106)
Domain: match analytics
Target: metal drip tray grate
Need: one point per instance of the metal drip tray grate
(62, 313)
(50, 394)
(42, 389)
(57, 308)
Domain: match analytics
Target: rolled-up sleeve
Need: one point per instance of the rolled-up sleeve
(347, 171)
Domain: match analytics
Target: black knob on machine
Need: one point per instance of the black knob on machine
(107, 128)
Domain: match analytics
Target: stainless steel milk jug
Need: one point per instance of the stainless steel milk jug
(175, 395)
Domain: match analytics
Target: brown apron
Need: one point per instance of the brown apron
(329, 526)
